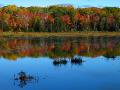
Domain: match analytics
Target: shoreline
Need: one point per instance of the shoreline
(58, 34)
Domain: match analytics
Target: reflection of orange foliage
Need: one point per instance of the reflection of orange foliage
(42, 50)
(27, 52)
(82, 48)
(99, 53)
(2, 53)
(66, 46)
(110, 45)
(15, 43)
(13, 57)
(51, 47)
(20, 47)
(12, 43)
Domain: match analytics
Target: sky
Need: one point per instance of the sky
(75, 3)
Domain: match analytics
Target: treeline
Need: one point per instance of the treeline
(58, 19)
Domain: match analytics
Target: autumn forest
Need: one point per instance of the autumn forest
(58, 19)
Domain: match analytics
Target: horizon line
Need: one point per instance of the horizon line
(83, 6)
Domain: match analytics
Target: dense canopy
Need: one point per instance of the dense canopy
(58, 19)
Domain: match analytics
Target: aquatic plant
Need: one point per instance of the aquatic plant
(23, 79)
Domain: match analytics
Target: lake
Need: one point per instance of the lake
(60, 63)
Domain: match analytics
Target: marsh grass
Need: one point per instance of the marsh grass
(46, 34)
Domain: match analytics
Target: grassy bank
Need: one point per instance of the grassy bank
(46, 34)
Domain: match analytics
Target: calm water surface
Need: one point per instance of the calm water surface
(60, 63)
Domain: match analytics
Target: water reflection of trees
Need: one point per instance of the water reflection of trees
(23, 79)
(76, 61)
(60, 62)
(110, 57)
(64, 61)
(53, 47)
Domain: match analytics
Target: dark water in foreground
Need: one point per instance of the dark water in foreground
(59, 63)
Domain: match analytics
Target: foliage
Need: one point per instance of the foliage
(58, 19)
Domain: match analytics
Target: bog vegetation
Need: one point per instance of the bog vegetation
(58, 19)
